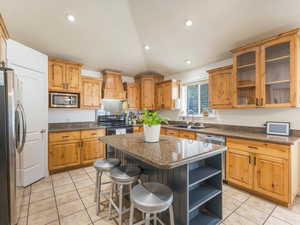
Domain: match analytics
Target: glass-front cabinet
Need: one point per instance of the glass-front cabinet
(246, 78)
(265, 73)
(278, 75)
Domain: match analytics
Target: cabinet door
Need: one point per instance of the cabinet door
(92, 150)
(271, 177)
(73, 78)
(246, 78)
(220, 89)
(239, 169)
(86, 94)
(56, 76)
(279, 75)
(159, 96)
(148, 93)
(133, 98)
(64, 155)
(167, 96)
(96, 95)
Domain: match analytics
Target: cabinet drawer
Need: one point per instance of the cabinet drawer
(275, 150)
(92, 133)
(64, 136)
(247, 145)
(171, 132)
(187, 134)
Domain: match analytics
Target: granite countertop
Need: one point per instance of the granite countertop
(168, 153)
(257, 136)
(60, 127)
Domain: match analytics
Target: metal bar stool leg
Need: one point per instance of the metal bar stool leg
(131, 214)
(99, 194)
(120, 204)
(147, 219)
(155, 219)
(111, 195)
(97, 186)
(171, 211)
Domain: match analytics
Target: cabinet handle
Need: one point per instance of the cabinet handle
(249, 159)
(256, 101)
(93, 133)
(252, 147)
(261, 101)
(65, 136)
(255, 160)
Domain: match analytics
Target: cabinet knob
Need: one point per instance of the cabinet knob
(43, 131)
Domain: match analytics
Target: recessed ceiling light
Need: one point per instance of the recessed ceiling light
(147, 47)
(71, 18)
(188, 61)
(188, 23)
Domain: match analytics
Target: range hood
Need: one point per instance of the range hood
(112, 85)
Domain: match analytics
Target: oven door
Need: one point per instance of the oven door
(62, 100)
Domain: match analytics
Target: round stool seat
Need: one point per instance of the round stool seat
(152, 197)
(125, 174)
(106, 164)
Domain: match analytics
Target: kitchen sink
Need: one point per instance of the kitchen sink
(191, 127)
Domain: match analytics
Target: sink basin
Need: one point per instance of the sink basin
(181, 126)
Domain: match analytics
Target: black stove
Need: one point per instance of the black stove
(115, 124)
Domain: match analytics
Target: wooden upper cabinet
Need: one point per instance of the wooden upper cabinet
(64, 76)
(166, 94)
(73, 77)
(265, 73)
(220, 88)
(113, 86)
(148, 90)
(3, 37)
(90, 93)
(246, 79)
(133, 95)
(279, 78)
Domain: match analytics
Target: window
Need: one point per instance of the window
(197, 101)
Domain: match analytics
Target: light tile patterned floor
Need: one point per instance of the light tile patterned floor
(68, 199)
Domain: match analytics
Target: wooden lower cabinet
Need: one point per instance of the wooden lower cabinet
(64, 154)
(92, 150)
(239, 168)
(272, 177)
(271, 170)
(74, 149)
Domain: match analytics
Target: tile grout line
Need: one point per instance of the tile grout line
(269, 215)
(280, 218)
(234, 211)
(55, 200)
(81, 198)
(28, 205)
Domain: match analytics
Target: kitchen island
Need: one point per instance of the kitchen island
(192, 169)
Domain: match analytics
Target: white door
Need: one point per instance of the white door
(32, 72)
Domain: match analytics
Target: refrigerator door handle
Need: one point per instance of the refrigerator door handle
(24, 127)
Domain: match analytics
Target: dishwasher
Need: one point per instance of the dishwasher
(218, 140)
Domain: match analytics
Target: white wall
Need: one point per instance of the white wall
(73, 115)
(246, 117)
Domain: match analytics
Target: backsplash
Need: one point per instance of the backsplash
(70, 115)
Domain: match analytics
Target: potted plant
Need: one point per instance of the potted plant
(151, 122)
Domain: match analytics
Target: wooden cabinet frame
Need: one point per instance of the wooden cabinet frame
(235, 78)
(91, 93)
(293, 72)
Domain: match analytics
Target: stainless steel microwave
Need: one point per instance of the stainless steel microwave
(63, 100)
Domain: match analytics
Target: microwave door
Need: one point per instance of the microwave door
(64, 100)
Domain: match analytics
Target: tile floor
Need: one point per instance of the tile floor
(67, 199)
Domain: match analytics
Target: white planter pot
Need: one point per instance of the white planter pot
(151, 134)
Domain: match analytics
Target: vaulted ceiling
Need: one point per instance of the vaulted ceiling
(112, 33)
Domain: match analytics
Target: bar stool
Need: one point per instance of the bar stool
(120, 176)
(101, 166)
(151, 198)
